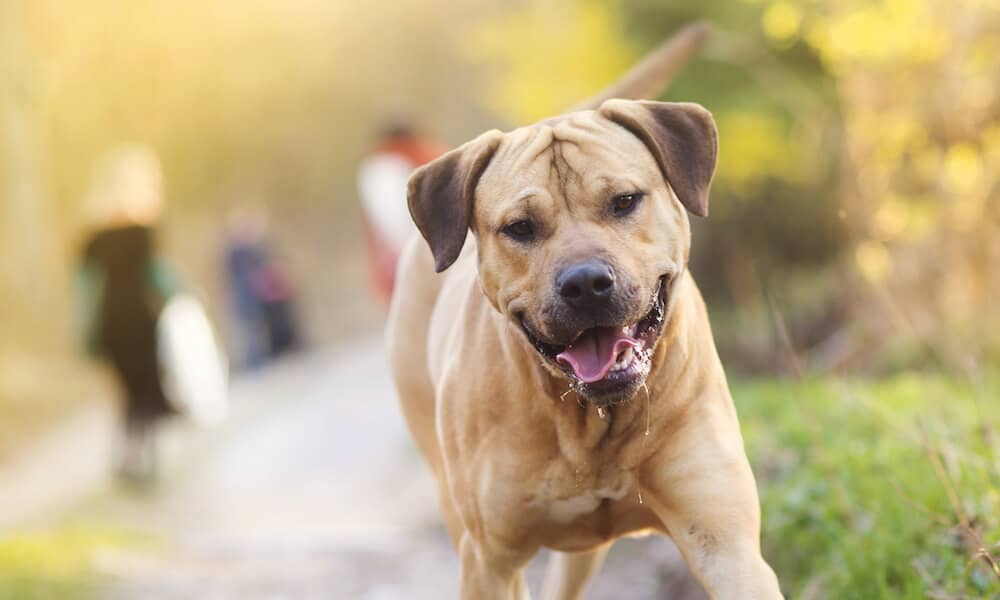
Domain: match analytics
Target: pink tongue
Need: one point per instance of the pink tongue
(593, 355)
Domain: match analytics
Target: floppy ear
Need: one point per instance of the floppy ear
(440, 196)
(681, 137)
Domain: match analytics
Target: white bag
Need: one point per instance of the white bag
(194, 367)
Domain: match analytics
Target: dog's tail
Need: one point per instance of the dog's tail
(648, 78)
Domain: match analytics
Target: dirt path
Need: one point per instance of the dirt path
(313, 490)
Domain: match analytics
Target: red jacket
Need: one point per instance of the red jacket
(383, 253)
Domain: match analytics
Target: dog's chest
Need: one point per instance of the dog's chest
(572, 496)
(575, 517)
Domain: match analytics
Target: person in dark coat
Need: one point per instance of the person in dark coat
(123, 290)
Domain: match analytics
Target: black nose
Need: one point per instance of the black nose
(586, 285)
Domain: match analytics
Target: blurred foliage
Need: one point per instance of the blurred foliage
(918, 86)
(263, 95)
(877, 490)
(582, 46)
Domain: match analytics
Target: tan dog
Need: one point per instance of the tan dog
(560, 377)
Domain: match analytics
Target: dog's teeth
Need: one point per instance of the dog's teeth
(624, 360)
(627, 356)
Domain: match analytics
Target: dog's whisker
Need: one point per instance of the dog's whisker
(646, 388)
(562, 397)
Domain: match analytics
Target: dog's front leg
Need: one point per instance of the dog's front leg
(708, 503)
(490, 572)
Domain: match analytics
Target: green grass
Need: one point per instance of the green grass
(57, 564)
(886, 489)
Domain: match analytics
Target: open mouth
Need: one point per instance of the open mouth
(608, 364)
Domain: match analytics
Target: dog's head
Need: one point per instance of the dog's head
(581, 223)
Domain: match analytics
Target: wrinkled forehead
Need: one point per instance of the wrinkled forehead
(566, 156)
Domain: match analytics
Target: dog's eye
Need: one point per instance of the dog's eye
(521, 231)
(623, 204)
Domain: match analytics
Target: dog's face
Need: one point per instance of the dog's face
(581, 228)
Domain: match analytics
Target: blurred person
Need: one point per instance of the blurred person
(277, 297)
(261, 293)
(382, 180)
(123, 288)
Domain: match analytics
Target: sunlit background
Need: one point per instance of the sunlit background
(850, 264)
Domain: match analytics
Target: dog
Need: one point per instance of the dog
(559, 375)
